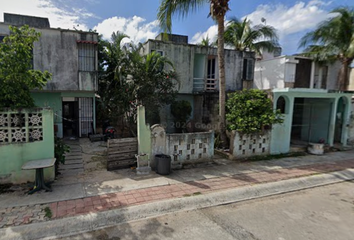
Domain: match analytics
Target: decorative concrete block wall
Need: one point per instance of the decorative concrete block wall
(24, 136)
(182, 147)
(247, 145)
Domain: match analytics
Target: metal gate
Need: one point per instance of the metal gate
(311, 119)
(85, 116)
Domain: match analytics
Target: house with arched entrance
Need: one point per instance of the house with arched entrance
(310, 116)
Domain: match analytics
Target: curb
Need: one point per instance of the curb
(93, 221)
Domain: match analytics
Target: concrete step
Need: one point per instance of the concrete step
(73, 155)
(70, 172)
(69, 161)
(75, 149)
(72, 166)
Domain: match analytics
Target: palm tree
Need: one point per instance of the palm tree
(333, 39)
(243, 37)
(206, 42)
(218, 9)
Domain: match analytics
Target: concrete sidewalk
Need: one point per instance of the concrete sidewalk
(211, 183)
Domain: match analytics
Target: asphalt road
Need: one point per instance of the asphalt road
(320, 213)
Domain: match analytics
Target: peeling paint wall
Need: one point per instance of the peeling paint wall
(182, 147)
(190, 62)
(248, 145)
(57, 52)
(183, 55)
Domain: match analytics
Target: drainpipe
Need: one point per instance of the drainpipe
(312, 79)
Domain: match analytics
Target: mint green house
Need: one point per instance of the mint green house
(310, 116)
(25, 135)
(71, 57)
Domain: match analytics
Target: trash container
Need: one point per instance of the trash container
(163, 164)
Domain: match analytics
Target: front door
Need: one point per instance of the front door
(70, 119)
(85, 116)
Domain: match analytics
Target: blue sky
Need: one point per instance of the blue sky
(137, 18)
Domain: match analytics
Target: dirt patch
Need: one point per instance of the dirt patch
(94, 163)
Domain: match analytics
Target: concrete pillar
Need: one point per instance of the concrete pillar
(332, 122)
(281, 133)
(144, 142)
(94, 114)
(346, 121)
(312, 79)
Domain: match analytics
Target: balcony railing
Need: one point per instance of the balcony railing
(210, 84)
(201, 85)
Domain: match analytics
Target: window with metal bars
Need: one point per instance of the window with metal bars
(248, 69)
(211, 68)
(87, 57)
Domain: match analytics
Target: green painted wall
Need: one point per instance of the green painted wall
(78, 94)
(281, 133)
(49, 100)
(53, 100)
(14, 155)
(144, 134)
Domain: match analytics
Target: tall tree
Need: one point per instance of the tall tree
(244, 37)
(17, 77)
(112, 104)
(333, 39)
(218, 9)
(129, 79)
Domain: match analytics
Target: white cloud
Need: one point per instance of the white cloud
(134, 27)
(211, 33)
(44, 8)
(289, 21)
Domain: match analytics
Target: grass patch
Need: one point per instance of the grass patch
(193, 194)
(48, 212)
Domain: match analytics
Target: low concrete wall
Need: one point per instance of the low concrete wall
(247, 145)
(182, 147)
(24, 136)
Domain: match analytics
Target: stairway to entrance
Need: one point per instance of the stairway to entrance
(73, 160)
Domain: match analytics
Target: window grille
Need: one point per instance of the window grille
(87, 57)
(248, 69)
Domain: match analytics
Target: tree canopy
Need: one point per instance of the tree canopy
(333, 39)
(128, 79)
(17, 77)
(207, 42)
(243, 37)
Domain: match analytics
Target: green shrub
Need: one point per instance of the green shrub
(60, 148)
(251, 111)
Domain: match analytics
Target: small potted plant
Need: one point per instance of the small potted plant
(316, 148)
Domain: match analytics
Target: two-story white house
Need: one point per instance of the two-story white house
(295, 72)
(198, 71)
(71, 57)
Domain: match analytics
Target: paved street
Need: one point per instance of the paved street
(98, 199)
(15, 216)
(325, 212)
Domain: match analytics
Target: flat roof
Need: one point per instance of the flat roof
(308, 90)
